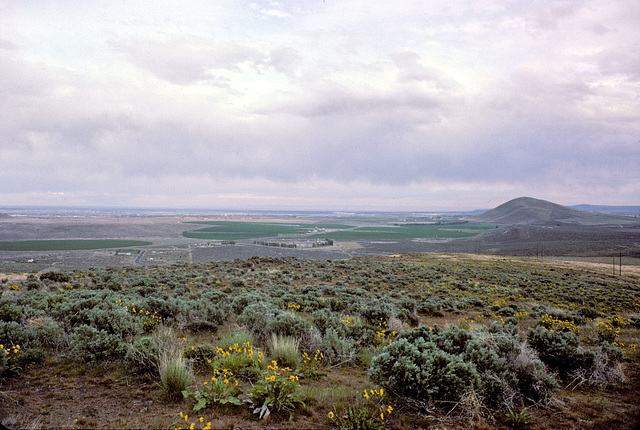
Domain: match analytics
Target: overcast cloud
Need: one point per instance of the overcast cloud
(338, 105)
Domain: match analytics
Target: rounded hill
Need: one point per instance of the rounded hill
(530, 211)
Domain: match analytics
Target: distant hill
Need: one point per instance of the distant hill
(530, 211)
(621, 210)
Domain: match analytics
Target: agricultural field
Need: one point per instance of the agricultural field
(68, 244)
(409, 231)
(234, 230)
(417, 340)
(237, 230)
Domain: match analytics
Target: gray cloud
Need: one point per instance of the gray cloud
(185, 59)
(313, 105)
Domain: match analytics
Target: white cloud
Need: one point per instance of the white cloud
(320, 104)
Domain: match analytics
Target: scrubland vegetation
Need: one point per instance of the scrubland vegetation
(416, 341)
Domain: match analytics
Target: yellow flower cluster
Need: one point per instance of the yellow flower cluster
(618, 321)
(293, 306)
(388, 409)
(465, 322)
(14, 288)
(489, 315)
(224, 376)
(607, 331)
(372, 393)
(318, 356)
(383, 333)
(8, 350)
(626, 348)
(149, 318)
(274, 371)
(552, 323)
(245, 350)
(348, 321)
(192, 426)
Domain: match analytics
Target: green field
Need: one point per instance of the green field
(236, 230)
(68, 245)
(415, 231)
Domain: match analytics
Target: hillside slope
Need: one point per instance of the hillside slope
(530, 211)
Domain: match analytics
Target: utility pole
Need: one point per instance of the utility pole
(620, 272)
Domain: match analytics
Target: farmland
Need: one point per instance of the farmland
(236, 230)
(411, 231)
(68, 244)
(98, 336)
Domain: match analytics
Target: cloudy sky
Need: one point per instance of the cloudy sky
(311, 104)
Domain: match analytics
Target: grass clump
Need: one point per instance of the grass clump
(175, 374)
(285, 350)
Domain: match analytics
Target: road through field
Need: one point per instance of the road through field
(139, 257)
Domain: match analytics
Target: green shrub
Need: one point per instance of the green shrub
(45, 334)
(142, 356)
(325, 319)
(55, 276)
(114, 321)
(557, 349)
(200, 326)
(415, 367)
(292, 325)
(535, 384)
(435, 364)
(375, 311)
(337, 349)
(32, 283)
(11, 333)
(431, 307)
(93, 345)
(9, 312)
(257, 318)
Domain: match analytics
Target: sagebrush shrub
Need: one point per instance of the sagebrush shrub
(535, 383)
(93, 345)
(325, 319)
(557, 349)
(337, 349)
(257, 318)
(142, 355)
(421, 370)
(10, 312)
(429, 363)
(292, 325)
(43, 333)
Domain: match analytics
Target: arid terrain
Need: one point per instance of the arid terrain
(66, 384)
(91, 336)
